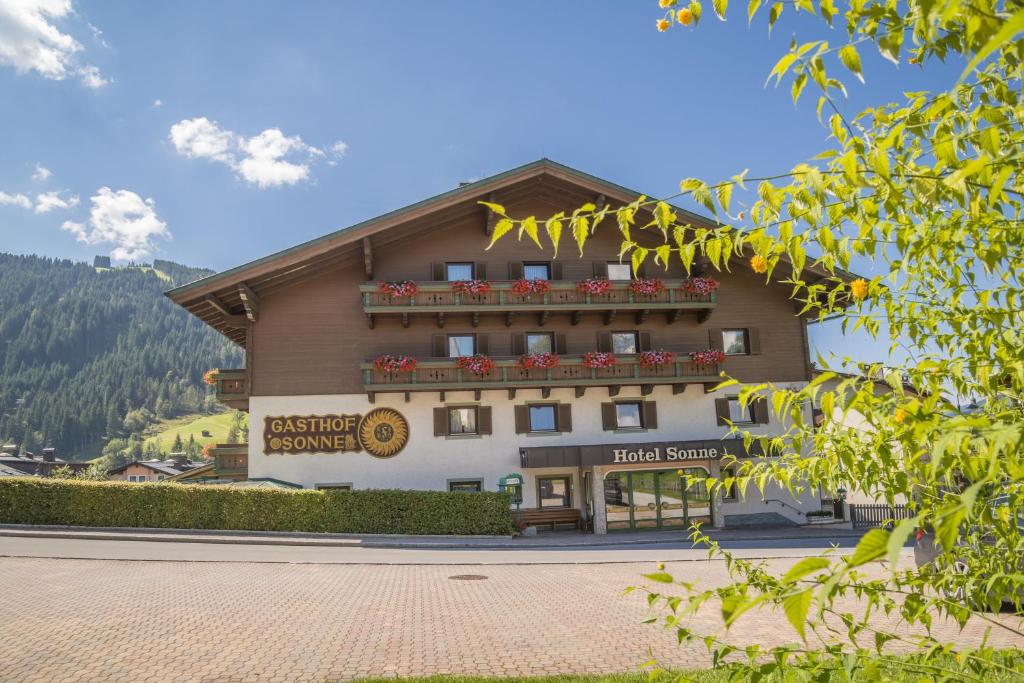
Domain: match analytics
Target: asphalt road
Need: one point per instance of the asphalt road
(65, 548)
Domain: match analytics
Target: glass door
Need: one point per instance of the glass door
(698, 503)
(656, 499)
(672, 499)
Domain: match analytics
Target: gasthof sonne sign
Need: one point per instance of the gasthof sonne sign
(382, 432)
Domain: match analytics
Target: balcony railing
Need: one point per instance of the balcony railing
(441, 374)
(565, 297)
(231, 460)
(232, 388)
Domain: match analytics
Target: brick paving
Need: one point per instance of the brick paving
(85, 620)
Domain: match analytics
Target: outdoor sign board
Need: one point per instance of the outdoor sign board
(382, 433)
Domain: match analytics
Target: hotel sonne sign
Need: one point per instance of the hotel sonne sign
(382, 433)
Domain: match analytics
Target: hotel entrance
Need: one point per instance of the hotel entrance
(655, 499)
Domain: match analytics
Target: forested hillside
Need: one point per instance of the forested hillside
(83, 349)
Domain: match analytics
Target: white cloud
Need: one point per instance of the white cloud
(158, 102)
(41, 174)
(269, 159)
(15, 200)
(123, 219)
(338, 150)
(48, 201)
(30, 41)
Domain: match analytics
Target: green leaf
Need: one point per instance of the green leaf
(724, 193)
(529, 226)
(660, 577)
(1010, 28)
(501, 228)
(850, 58)
(720, 7)
(899, 537)
(496, 208)
(872, 546)
(553, 226)
(796, 606)
(637, 257)
(804, 567)
(752, 8)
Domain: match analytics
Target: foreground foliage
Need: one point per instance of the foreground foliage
(25, 500)
(926, 192)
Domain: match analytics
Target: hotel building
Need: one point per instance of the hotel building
(606, 440)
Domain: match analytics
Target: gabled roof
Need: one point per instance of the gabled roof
(161, 466)
(219, 300)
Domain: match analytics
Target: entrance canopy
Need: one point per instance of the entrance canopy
(654, 453)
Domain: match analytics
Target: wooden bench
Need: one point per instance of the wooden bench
(552, 516)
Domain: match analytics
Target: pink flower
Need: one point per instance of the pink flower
(471, 286)
(532, 286)
(708, 357)
(699, 285)
(598, 359)
(594, 285)
(654, 358)
(478, 364)
(403, 288)
(389, 363)
(538, 360)
(647, 287)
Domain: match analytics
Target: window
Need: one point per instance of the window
(625, 342)
(629, 415)
(458, 271)
(540, 342)
(553, 492)
(465, 485)
(729, 492)
(734, 342)
(462, 420)
(620, 271)
(136, 477)
(543, 418)
(460, 345)
(336, 487)
(738, 414)
(536, 271)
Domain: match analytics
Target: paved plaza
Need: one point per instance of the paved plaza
(144, 620)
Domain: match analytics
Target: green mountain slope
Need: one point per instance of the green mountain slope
(82, 347)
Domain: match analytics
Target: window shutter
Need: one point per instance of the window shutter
(560, 345)
(522, 414)
(600, 269)
(608, 417)
(650, 415)
(722, 411)
(481, 344)
(715, 340)
(515, 270)
(483, 420)
(440, 422)
(480, 270)
(437, 272)
(564, 417)
(753, 341)
(556, 270)
(645, 341)
(518, 344)
(760, 411)
(440, 346)
(604, 341)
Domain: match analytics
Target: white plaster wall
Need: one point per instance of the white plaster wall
(429, 462)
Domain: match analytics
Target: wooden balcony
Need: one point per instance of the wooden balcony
(232, 388)
(441, 374)
(231, 460)
(436, 299)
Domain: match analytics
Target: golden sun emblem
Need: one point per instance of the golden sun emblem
(383, 432)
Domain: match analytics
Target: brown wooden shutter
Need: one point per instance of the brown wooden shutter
(608, 417)
(715, 339)
(560, 344)
(522, 414)
(440, 422)
(722, 411)
(518, 344)
(481, 344)
(483, 420)
(439, 347)
(564, 417)
(480, 270)
(645, 341)
(753, 341)
(760, 410)
(604, 341)
(556, 270)
(437, 272)
(600, 269)
(650, 415)
(515, 270)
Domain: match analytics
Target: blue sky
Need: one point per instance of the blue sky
(208, 133)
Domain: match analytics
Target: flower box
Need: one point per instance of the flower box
(647, 287)
(598, 359)
(699, 285)
(708, 357)
(389, 363)
(403, 288)
(531, 361)
(531, 286)
(651, 359)
(478, 364)
(471, 286)
(594, 285)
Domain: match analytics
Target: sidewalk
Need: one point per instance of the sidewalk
(560, 539)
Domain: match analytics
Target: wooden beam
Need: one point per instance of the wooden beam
(216, 304)
(440, 319)
(545, 392)
(492, 218)
(368, 258)
(475, 319)
(672, 316)
(511, 394)
(576, 317)
(709, 387)
(441, 396)
(600, 201)
(250, 301)
(476, 394)
(405, 320)
(580, 391)
(370, 396)
(236, 321)
(369, 320)
(678, 388)
(542, 317)
(641, 316)
(509, 317)
(609, 316)
(408, 396)
(703, 315)
(613, 390)
(646, 389)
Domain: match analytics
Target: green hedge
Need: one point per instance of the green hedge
(65, 502)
